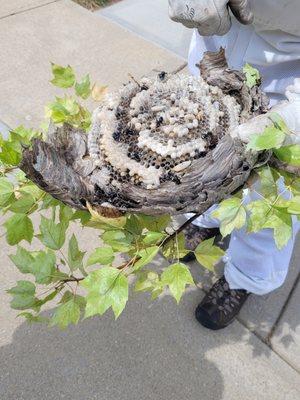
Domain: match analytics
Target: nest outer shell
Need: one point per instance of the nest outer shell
(62, 167)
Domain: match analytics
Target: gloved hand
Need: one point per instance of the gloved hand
(289, 112)
(210, 17)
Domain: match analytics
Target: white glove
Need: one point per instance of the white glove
(289, 112)
(210, 17)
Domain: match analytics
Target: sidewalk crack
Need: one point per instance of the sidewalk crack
(283, 309)
(267, 342)
(29, 9)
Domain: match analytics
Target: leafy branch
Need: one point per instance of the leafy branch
(61, 267)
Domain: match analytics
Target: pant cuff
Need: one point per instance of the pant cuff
(238, 280)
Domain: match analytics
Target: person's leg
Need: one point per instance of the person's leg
(254, 262)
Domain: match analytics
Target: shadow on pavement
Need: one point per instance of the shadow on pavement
(153, 351)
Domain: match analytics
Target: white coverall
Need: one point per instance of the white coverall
(271, 44)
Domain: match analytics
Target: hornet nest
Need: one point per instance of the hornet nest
(156, 146)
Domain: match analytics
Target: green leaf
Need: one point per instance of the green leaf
(6, 192)
(146, 256)
(79, 299)
(84, 216)
(101, 255)
(67, 313)
(75, 256)
(20, 176)
(282, 232)
(10, 154)
(65, 214)
(155, 224)
(118, 240)
(50, 201)
(68, 110)
(84, 119)
(52, 235)
(40, 264)
(64, 77)
(294, 206)
(24, 204)
(177, 276)
(271, 138)
(18, 227)
(17, 141)
(24, 133)
(83, 88)
(252, 75)
(23, 296)
(57, 275)
(207, 254)
(264, 215)
(31, 319)
(22, 260)
(231, 214)
(156, 292)
(33, 190)
(175, 248)
(63, 110)
(282, 225)
(147, 281)
(289, 154)
(268, 186)
(43, 267)
(99, 222)
(154, 237)
(49, 297)
(259, 213)
(107, 287)
(133, 224)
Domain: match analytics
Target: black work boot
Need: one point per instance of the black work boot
(220, 305)
(195, 235)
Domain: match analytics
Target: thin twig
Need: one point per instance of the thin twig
(181, 228)
(72, 279)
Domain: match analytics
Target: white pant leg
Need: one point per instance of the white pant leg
(253, 262)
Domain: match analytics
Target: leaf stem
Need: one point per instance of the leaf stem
(65, 258)
(71, 278)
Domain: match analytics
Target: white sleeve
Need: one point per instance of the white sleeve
(293, 91)
(289, 110)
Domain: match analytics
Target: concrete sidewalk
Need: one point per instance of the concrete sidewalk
(155, 350)
(149, 19)
(65, 33)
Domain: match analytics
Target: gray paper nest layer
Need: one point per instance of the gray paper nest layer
(157, 146)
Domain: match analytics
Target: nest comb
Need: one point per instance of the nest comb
(161, 145)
